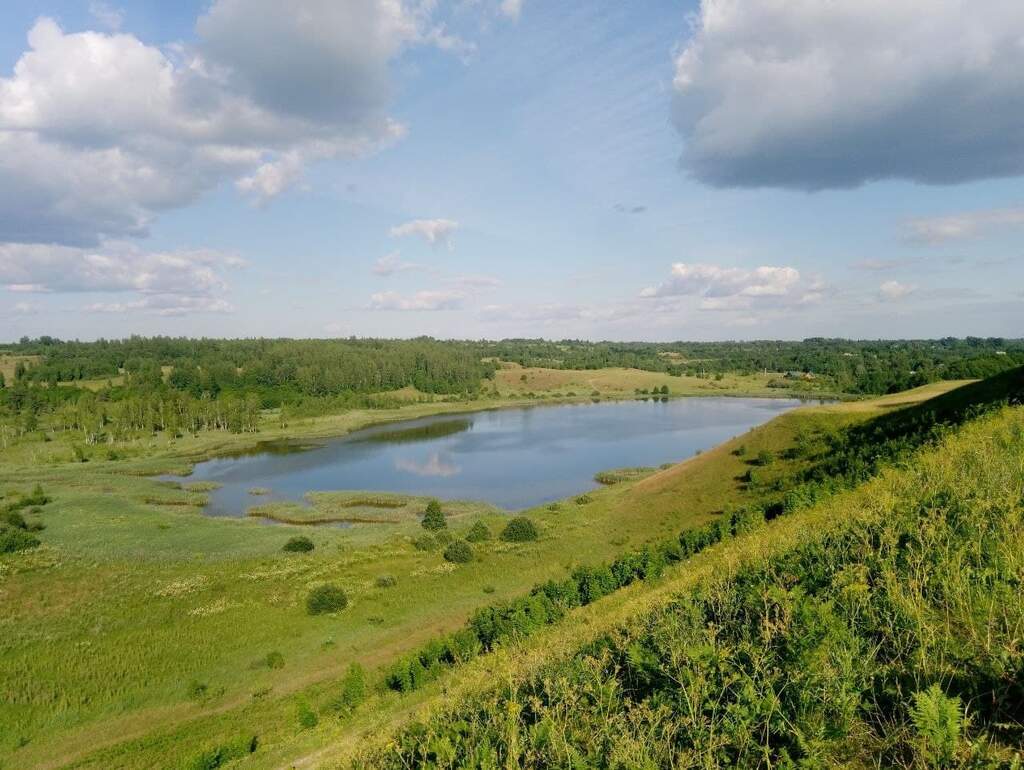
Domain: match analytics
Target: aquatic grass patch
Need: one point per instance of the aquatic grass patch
(621, 475)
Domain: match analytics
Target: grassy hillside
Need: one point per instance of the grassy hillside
(882, 628)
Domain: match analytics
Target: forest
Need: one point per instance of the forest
(113, 389)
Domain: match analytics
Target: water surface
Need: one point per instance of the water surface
(513, 458)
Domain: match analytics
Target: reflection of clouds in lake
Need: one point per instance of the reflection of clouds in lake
(435, 465)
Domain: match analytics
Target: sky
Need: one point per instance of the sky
(665, 170)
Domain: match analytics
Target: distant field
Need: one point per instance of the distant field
(516, 381)
(171, 589)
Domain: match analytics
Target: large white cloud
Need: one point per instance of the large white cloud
(834, 93)
(166, 283)
(737, 288)
(100, 132)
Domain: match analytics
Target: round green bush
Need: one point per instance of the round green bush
(519, 530)
(478, 533)
(326, 598)
(425, 543)
(386, 581)
(300, 544)
(458, 552)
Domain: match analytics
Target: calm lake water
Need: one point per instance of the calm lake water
(513, 458)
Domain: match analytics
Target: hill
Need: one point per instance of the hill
(879, 628)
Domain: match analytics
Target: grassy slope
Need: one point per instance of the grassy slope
(131, 599)
(965, 635)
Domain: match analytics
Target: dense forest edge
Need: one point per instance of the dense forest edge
(111, 390)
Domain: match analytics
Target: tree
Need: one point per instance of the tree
(434, 518)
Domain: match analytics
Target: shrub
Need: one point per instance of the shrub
(300, 544)
(519, 530)
(583, 499)
(765, 457)
(37, 497)
(478, 533)
(307, 718)
(12, 540)
(443, 537)
(197, 690)
(434, 518)
(425, 543)
(459, 552)
(386, 581)
(353, 689)
(274, 660)
(326, 598)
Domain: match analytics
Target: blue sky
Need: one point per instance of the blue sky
(488, 168)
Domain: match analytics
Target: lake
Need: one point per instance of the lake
(513, 458)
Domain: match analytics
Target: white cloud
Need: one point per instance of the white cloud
(392, 263)
(421, 300)
(114, 266)
(101, 132)
(165, 283)
(164, 305)
(25, 308)
(106, 15)
(475, 281)
(433, 231)
(834, 93)
(732, 288)
(892, 291)
(933, 230)
(511, 9)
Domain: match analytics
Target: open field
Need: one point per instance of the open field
(515, 381)
(155, 617)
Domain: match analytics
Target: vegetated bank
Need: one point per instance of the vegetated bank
(878, 628)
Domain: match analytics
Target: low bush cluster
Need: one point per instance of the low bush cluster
(458, 552)
(16, 533)
(546, 603)
(519, 530)
(300, 544)
(326, 598)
